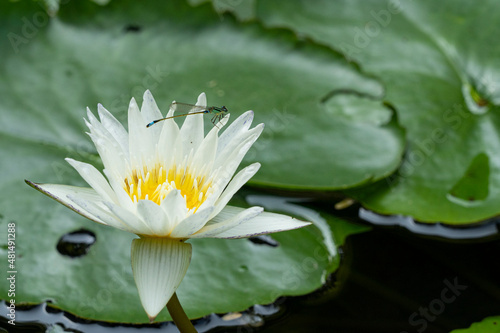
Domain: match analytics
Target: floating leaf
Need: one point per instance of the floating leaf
(53, 67)
(224, 275)
(65, 65)
(473, 186)
(439, 64)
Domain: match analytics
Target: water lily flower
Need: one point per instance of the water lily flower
(167, 184)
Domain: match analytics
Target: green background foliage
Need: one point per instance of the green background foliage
(438, 63)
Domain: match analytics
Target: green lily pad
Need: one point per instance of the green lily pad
(487, 325)
(439, 64)
(224, 275)
(473, 186)
(53, 67)
(176, 52)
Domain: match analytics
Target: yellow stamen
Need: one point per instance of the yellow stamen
(157, 183)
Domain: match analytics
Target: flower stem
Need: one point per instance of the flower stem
(180, 318)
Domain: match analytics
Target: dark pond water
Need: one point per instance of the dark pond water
(400, 277)
(76, 243)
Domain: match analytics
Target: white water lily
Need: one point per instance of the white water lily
(167, 184)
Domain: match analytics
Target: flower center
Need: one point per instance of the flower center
(155, 183)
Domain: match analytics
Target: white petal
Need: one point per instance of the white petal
(230, 158)
(117, 185)
(237, 129)
(94, 123)
(114, 127)
(159, 265)
(131, 219)
(150, 112)
(140, 138)
(99, 209)
(60, 193)
(218, 126)
(149, 108)
(192, 224)
(84, 201)
(228, 218)
(111, 133)
(192, 132)
(174, 206)
(171, 110)
(112, 156)
(236, 183)
(94, 178)
(202, 99)
(263, 223)
(154, 216)
(168, 142)
(205, 155)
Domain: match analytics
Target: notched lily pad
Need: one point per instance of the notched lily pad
(475, 102)
(357, 107)
(270, 71)
(439, 64)
(473, 186)
(70, 64)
